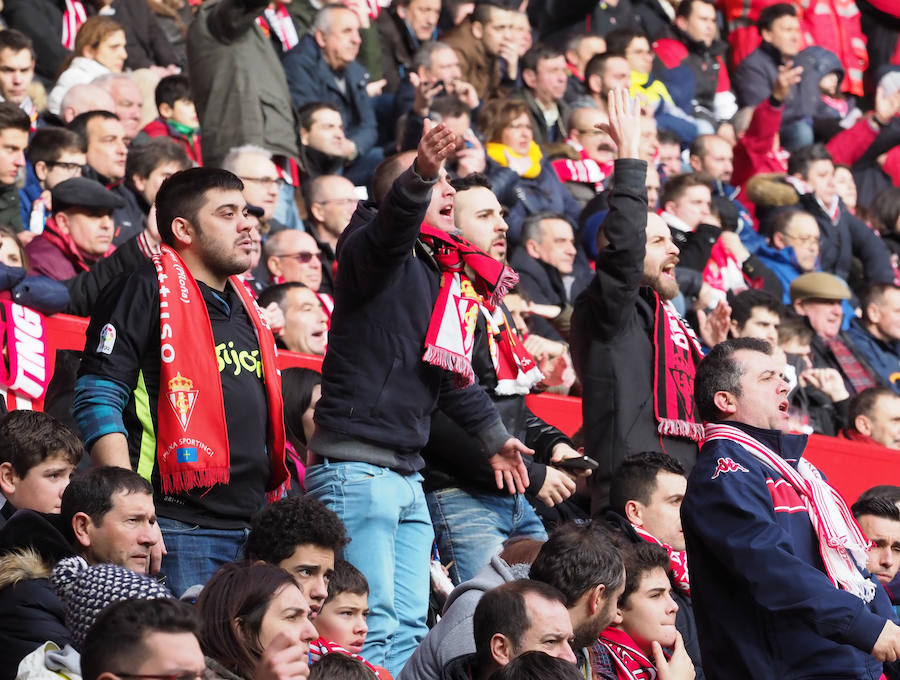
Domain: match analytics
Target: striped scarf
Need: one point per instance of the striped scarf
(841, 542)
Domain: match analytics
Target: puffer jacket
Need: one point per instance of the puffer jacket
(30, 612)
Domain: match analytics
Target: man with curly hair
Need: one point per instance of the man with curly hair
(301, 535)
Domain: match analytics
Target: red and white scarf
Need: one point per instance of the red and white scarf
(279, 20)
(584, 171)
(192, 438)
(517, 372)
(630, 662)
(678, 565)
(73, 16)
(842, 544)
(451, 333)
(676, 353)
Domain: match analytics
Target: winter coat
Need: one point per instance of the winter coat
(835, 25)
(310, 79)
(556, 21)
(883, 357)
(30, 611)
(755, 76)
(81, 71)
(377, 392)
(238, 83)
(543, 193)
(398, 47)
(764, 605)
(612, 345)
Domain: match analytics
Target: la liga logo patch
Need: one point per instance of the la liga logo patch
(724, 465)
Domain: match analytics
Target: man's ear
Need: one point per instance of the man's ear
(595, 83)
(273, 264)
(502, 649)
(669, 207)
(139, 182)
(861, 424)
(62, 222)
(778, 240)
(316, 212)
(595, 598)
(681, 22)
(619, 617)
(8, 479)
(320, 38)
(734, 327)
(183, 230)
(529, 77)
(634, 512)
(41, 170)
(726, 402)
(477, 30)
(81, 524)
(696, 163)
(873, 313)
(531, 247)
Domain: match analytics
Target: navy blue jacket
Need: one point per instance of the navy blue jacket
(310, 79)
(544, 193)
(375, 387)
(754, 78)
(883, 357)
(765, 607)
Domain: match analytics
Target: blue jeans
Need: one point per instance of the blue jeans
(471, 527)
(193, 553)
(390, 543)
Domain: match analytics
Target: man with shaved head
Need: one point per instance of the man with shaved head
(83, 98)
(635, 355)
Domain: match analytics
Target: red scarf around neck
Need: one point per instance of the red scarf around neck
(192, 438)
(678, 565)
(52, 234)
(451, 333)
(676, 353)
(630, 662)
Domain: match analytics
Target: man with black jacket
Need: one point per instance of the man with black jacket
(472, 519)
(635, 398)
(378, 394)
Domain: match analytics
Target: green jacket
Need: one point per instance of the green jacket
(238, 83)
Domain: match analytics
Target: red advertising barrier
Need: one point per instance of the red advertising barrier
(851, 467)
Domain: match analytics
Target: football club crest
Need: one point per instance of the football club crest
(182, 397)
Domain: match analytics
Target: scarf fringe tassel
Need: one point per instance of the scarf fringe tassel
(508, 281)
(184, 481)
(449, 361)
(680, 428)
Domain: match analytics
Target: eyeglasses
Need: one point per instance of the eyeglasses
(276, 182)
(805, 240)
(68, 167)
(205, 674)
(303, 257)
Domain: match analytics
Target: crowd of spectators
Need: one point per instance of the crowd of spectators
(684, 212)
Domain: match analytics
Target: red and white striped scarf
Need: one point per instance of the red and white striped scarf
(279, 20)
(631, 663)
(73, 16)
(841, 542)
(677, 560)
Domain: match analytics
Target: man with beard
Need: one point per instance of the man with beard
(178, 378)
(634, 354)
(579, 560)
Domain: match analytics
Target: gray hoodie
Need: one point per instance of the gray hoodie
(452, 635)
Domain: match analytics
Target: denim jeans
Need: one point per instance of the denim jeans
(471, 527)
(390, 534)
(193, 553)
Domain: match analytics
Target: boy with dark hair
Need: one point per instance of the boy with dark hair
(150, 164)
(645, 620)
(55, 154)
(177, 117)
(38, 455)
(342, 619)
(302, 536)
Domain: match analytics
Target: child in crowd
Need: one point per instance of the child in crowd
(342, 620)
(177, 116)
(38, 455)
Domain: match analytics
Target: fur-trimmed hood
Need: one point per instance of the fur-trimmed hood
(771, 189)
(23, 564)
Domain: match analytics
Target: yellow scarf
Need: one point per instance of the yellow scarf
(502, 154)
